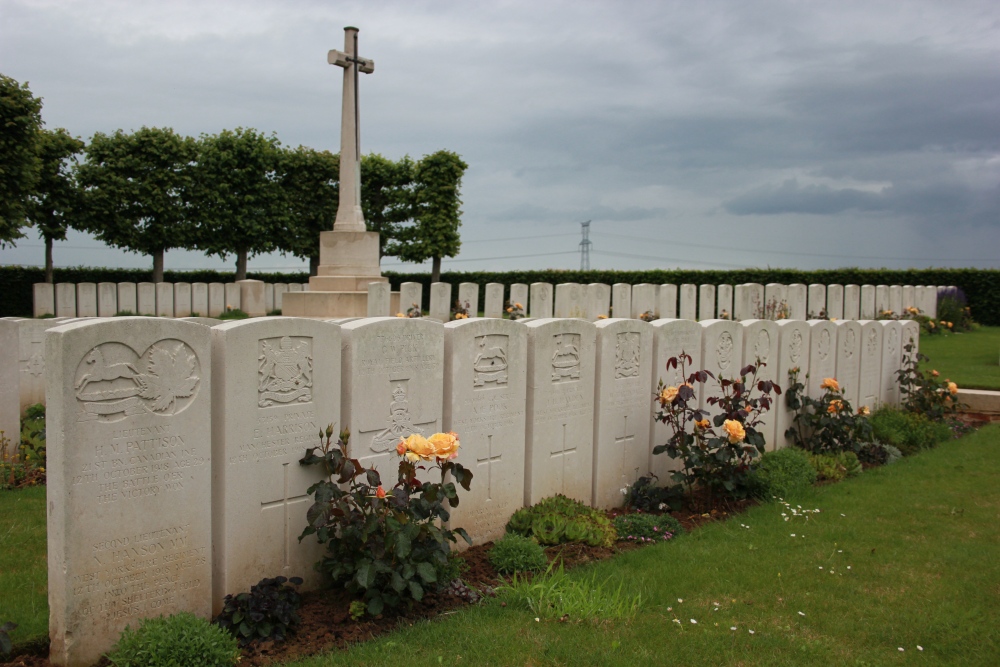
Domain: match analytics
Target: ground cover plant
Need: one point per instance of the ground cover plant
(784, 473)
(559, 519)
(909, 432)
(171, 641)
(969, 359)
(516, 553)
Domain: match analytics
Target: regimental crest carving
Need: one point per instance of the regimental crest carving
(724, 350)
(823, 344)
(284, 371)
(35, 365)
(627, 355)
(400, 421)
(872, 342)
(850, 342)
(762, 348)
(113, 382)
(893, 341)
(566, 358)
(490, 366)
(795, 346)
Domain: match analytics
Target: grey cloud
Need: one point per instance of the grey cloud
(790, 197)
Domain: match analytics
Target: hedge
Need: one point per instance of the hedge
(981, 286)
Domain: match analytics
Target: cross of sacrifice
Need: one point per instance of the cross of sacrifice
(564, 451)
(283, 503)
(488, 462)
(349, 215)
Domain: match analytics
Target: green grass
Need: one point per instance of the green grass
(23, 568)
(920, 538)
(970, 359)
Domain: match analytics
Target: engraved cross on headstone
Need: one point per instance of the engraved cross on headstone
(563, 452)
(624, 441)
(283, 503)
(349, 215)
(488, 462)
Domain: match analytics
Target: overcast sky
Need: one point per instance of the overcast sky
(701, 135)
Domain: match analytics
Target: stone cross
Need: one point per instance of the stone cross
(488, 461)
(283, 504)
(349, 215)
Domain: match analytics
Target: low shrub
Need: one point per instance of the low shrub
(647, 527)
(835, 467)
(233, 314)
(909, 432)
(560, 519)
(924, 392)
(783, 473)
(268, 611)
(878, 454)
(827, 424)
(644, 495)
(181, 639)
(515, 553)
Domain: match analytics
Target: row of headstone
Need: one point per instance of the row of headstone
(254, 297)
(173, 474)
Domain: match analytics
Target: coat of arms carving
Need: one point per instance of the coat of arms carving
(284, 371)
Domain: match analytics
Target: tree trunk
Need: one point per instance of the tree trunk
(314, 265)
(436, 270)
(241, 264)
(48, 260)
(158, 266)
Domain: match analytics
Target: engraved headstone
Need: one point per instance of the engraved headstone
(881, 299)
(31, 359)
(706, 302)
(569, 300)
(493, 304)
(721, 353)
(393, 370)
(793, 353)
(164, 299)
(182, 299)
(541, 300)
(378, 299)
(835, 302)
(688, 302)
(204, 321)
(817, 301)
(280, 289)
(410, 295)
(268, 297)
(643, 300)
(65, 300)
(822, 355)
(908, 297)
(724, 302)
(896, 299)
(621, 300)
(86, 300)
(199, 299)
(666, 301)
(440, 309)
(44, 297)
(252, 297)
(485, 376)
(748, 302)
(129, 479)
(276, 384)
(849, 360)
(892, 334)
(10, 393)
(870, 387)
(298, 287)
(867, 308)
(931, 296)
(911, 335)
(621, 417)
(559, 436)
(216, 299)
(671, 338)
(775, 301)
(852, 302)
(519, 294)
(760, 343)
(468, 293)
(107, 299)
(598, 300)
(232, 294)
(128, 298)
(796, 294)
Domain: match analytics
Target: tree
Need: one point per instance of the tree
(240, 202)
(20, 123)
(386, 196)
(309, 178)
(136, 191)
(56, 197)
(436, 212)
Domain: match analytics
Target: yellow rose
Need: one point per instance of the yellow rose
(834, 407)
(400, 315)
(934, 373)
(735, 430)
(864, 411)
(518, 305)
(668, 395)
(702, 424)
(418, 445)
(952, 388)
(445, 445)
(831, 384)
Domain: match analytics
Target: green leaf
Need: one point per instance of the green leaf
(426, 572)
(416, 590)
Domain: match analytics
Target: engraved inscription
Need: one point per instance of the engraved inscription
(490, 365)
(795, 346)
(893, 341)
(724, 350)
(850, 341)
(762, 348)
(872, 343)
(566, 358)
(396, 353)
(400, 421)
(276, 436)
(823, 344)
(627, 355)
(284, 371)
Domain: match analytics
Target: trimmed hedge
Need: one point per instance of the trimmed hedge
(981, 286)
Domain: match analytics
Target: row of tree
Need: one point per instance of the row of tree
(239, 192)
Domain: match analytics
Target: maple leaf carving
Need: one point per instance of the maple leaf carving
(169, 376)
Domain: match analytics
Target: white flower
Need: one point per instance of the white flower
(680, 600)
(821, 567)
(919, 647)
(801, 613)
(694, 622)
(750, 631)
(733, 628)
(901, 649)
(848, 567)
(670, 608)
(677, 621)
(793, 534)
(538, 620)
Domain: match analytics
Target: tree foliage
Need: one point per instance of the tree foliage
(136, 191)
(56, 195)
(310, 181)
(20, 123)
(386, 196)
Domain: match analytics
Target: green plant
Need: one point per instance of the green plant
(270, 313)
(922, 392)
(233, 314)
(5, 643)
(515, 553)
(358, 609)
(644, 495)
(878, 454)
(647, 527)
(720, 462)
(414, 311)
(835, 466)
(953, 310)
(268, 611)
(33, 433)
(514, 310)
(909, 432)
(828, 423)
(783, 473)
(181, 639)
(558, 595)
(559, 519)
(19, 472)
(388, 546)
(460, 311)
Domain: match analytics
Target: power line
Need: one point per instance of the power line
(485, 259)
(662, 258)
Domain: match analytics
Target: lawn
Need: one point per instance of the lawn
(970, 359)
(23, 569)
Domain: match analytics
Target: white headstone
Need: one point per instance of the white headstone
(65, 300)
(199, 299)
(519, 294)
(410, 295)
(852, 302)
(932, 294)
(232, 295)
(643, 300)
(569, 300)
(881, 299)
(276, 385)
(127, 300)
(10, 392)
(621, 300)
(216, 299)
(793, 352)
(485, 374)
(724, 302)
(541, 300)
(468, 293)
(164, 299)
(44, 297)
(440, 309)
(775, 302)
(493, 305)
(892, 334)
(252, 297)
(911, 335)
(393, 370)
(560, 416)
(268, 297)
(908, 297)
(849, 360)
(748, 301)
(721, 353)
(378, 299)
(31, 359)
(280, 289)
(760, 342)
(896, 299)
(297, 287)
(598, 300)
(666, 301)
(621, 414)
(86, 300)
(204, 321)
(796, 294)
(689, 301)
(706, 302)
(870, 388)
(182, 299)
(129, 479)
(817, 301)
(822, 355)
(835, 302)
(867, 308)
(671, 338)
(107, 299)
